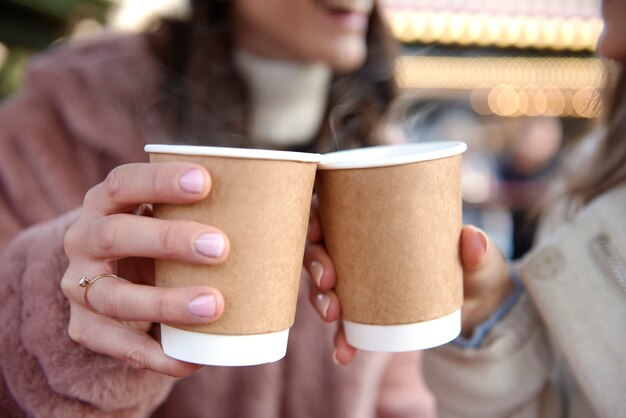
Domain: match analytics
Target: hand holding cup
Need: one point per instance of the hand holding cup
(261, 199)
(391, 218)
(110, 238)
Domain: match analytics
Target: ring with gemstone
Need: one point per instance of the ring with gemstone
(86, 282)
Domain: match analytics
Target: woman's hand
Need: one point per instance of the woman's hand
(321, 269)
(486, 281)
(110, 238)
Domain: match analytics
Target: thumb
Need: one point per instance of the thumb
(484, 266)
(474, 247)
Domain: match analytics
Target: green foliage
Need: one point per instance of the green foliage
(27, 26)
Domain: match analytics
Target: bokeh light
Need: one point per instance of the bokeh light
(511, 86)
(497, 29)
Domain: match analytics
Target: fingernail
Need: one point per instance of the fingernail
(210, 244)
(317, 271)
(192, 181)
(335, 357)
(323, 303)
(483, 240)
(203, 306)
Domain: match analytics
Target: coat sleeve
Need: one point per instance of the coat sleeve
(45, 372)
(577, 281)
(507, 376)
(44, 173)
(575, 303)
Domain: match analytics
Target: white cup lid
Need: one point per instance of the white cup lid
(250, 153)
(388, 155)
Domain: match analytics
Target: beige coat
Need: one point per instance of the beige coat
(561, 350)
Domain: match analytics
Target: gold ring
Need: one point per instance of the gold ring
(86, 283)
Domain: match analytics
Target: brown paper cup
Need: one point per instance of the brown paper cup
(391, 217)
(261, 200)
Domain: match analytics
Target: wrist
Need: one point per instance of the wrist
(474, 335)
(479, 309)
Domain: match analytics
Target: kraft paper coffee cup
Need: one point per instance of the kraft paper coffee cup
(391, 217)
(261, 200)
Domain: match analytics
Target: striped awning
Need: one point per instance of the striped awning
(562, 25)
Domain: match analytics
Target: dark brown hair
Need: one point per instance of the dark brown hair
(608, 169)
(205, 100)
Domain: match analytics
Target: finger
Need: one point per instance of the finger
(484, 266)
(119, 299)
(143, 326)
(124, 343)
(474, 247)
(123, 235)
(344, 352)
(132, 184)
(319, 265)
(315, 225)
(326, 304)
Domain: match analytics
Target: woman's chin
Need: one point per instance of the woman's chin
(347, 58)
(612, 51)
(612, 42)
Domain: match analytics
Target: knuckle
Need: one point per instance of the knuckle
(159, 186)
(113, 184)
(91, 197)
(67, 286)
(169, 239)
(71, 240)
(136, 357)
(76, 332)
(106, 235)
(164, 307)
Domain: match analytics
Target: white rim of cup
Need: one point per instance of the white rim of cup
(249, 153)
(405, 337)
(224, 350)
(388, 155)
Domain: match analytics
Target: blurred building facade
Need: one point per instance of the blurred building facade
(518, 80)
(508, 57)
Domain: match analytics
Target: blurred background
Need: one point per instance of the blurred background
(517, 80)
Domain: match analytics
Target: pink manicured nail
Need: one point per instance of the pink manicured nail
(204, 306)
(317, 271)
(323, 303)
(192, 181)
(210, 244)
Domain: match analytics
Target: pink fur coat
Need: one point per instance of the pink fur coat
(70, 125)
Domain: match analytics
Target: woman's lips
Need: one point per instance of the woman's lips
(351, 6)
(351, 15)
(349, 20)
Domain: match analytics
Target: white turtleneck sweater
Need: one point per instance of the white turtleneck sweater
(288, 99)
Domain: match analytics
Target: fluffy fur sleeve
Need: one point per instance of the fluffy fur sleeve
(53, 147)
(46, 373)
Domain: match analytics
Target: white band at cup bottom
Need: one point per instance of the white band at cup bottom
(223, 350)
(405, 337)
